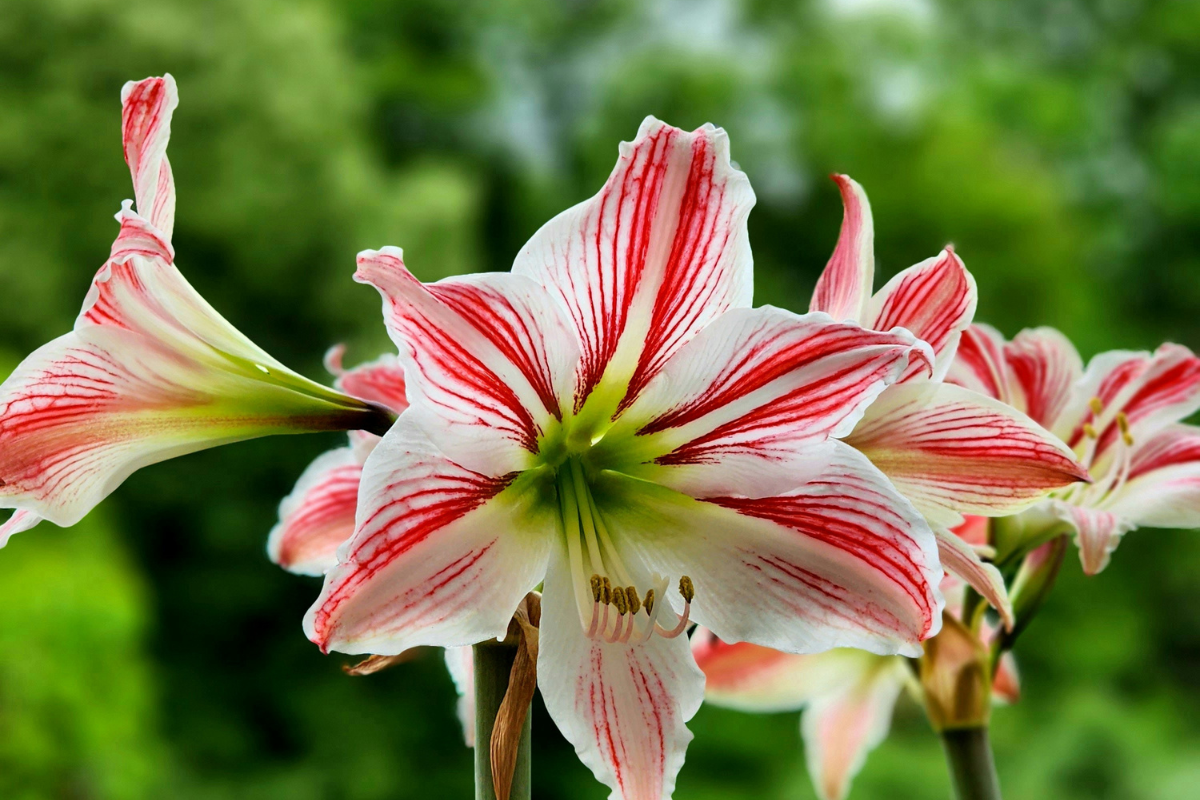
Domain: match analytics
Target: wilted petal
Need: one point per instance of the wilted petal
(318, 515)
(460, 661)
(623, 706)
(753, 387)
(935, 300)
(1044, 366)
(1097, 534)
(841, 561)
(20, 521)
(952, 451)
(659, 253)
(489, 359)
(844, 288)
(961, 559)
(441, 555)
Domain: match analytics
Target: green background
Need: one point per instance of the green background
(154, 652)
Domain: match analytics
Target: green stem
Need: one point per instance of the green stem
(493, 665)
(969, 756)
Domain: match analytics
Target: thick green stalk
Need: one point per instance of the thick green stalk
(493, 666)
(969, 756)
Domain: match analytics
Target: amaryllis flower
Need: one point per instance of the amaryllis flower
(150, 370)
(949, 450)
(1122, 416)
(613, 419)
(847, 696)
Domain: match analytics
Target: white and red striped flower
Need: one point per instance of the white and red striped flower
(949, 450)
(846, 696)
(150, 370)
(1122, 416)
(611, 413)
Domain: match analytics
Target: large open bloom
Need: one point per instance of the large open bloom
(949, 450)
(847, 696)
(1122, 416)
(613, 419)
(150, 370)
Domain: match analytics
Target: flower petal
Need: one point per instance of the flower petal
(1006, 682)
(1097, 534)
(623, 706)
(1163, 486)
(460, 661)
(1044, 366)
(961, 559)
(441, 555)
(952, 451)
(659, 253)
(935, 300)
(380, 381)
(146, 109)
(980, 364)
(489, 358)
(840, 729)
(20, 521)
(318, 515)
(756, 385)
(841, 561)
(844, 288)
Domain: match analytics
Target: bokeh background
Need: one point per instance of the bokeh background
(153, 652)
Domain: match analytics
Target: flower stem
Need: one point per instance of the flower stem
(493, 666)
(969, 756)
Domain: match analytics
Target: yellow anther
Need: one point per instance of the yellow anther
(1123, 424)
(686, 589)
(605, 591)
(1089, 431)
(1096, 406)
(649, 601)
(597, 587)
(619, 600)
(635, 603)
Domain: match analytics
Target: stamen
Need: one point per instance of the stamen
(1123, 424)
(688, 591)
(597, 587)
(606, 592)
(649, 601)
(619, 601)
(686, 588)
(1089, 431)
(635, 603)
(1096, 406)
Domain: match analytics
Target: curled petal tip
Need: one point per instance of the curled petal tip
(333, 359)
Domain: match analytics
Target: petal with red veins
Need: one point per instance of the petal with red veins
(380, 381)
(952, 451)
(844, 288)
(755, 386)
(318, 515)
(1163, 486)
(20, 521)
(441, 554)
(659, 253)
(146, 109)
(973, 530)
(489, 359)
(841, 561)
(840, 729)
(623, 706)
(1044, 366)
(980, 364)
(935, 300)
(959, 558)
(460, 662)
(1097, 534)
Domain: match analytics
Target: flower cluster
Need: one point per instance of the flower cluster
(614, 423)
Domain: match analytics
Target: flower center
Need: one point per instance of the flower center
(1095, 426)
(609, 603)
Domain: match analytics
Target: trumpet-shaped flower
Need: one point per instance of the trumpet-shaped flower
(847, 696)
(614, 421)
(150, 371)
(949, 450)
(1122, 416)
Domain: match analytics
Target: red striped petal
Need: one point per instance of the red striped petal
(1044, 366)
(318, 515)
(659, 253)
(844, 288)
(147, 107)
(961, 559)
(20, 521)
(1162, 489)
(952, 451)
(441, 554)
(1097, 534)
(980, 364)
(489, 358)
(935, 300)
(380, 381)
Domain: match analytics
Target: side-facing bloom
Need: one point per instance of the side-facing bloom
(611, 413)
(949, 450)
(847, 696)
(150, 370)
(1122, 416)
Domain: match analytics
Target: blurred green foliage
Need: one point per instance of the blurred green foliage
(154, 652)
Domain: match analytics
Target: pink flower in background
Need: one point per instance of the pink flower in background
(949, 450)
(612, 413)
(1122, 416)
(150, 371)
